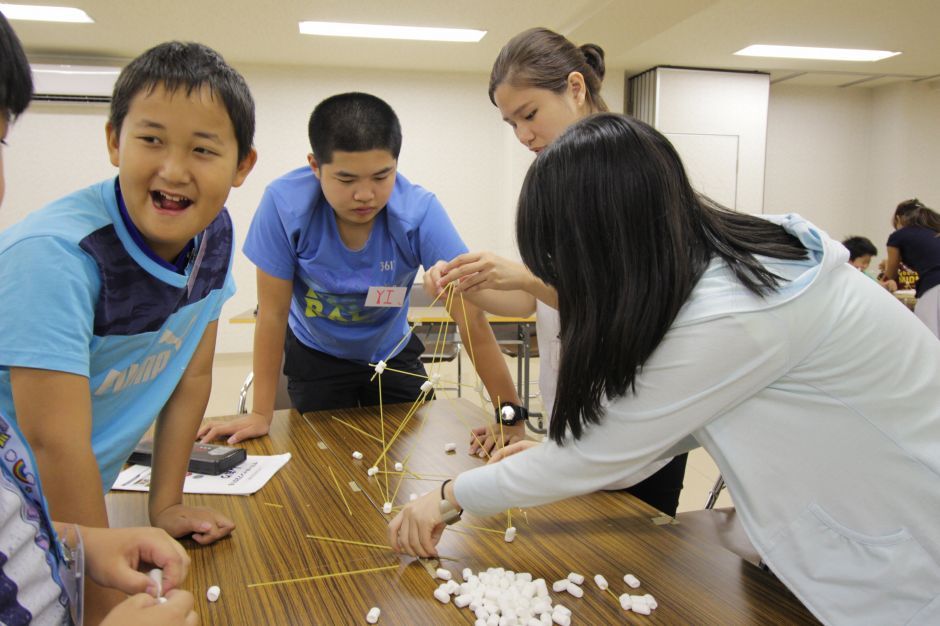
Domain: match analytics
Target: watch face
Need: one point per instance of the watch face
(508, 414)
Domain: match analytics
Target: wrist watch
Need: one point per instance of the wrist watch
(510, 414)
(449, 513)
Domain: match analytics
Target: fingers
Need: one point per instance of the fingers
(249, 432)
(167, 554)
(393, 528)
(215, 430)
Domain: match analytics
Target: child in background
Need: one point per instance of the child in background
(323, 236)
(916, 244)
(37, 583)
(861, 250)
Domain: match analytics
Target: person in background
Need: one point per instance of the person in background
(861, 250)
(916, 243)
(36, 575)
(541, 83)
(761, 352)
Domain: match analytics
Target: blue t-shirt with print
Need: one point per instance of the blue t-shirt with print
(78, 295)
(294, 236)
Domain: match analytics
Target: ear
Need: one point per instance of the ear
(111, 137)
(244, 167)
(577, 88)
(312, 160)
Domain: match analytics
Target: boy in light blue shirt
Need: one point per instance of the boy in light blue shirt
(337, 245)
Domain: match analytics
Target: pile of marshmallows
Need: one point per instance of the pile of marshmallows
(500, 597)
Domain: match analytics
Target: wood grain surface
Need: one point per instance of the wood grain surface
(608, 533)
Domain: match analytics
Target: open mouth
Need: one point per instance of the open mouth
(169, 202)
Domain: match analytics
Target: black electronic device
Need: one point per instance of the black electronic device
(205, 458)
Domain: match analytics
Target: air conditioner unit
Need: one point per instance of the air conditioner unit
(73, 83)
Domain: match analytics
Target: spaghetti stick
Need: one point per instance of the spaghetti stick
(322, 576)
(349, 541)
(341, 495)
(356, 428)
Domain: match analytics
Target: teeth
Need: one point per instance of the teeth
(173, 198)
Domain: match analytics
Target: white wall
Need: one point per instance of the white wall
(844, 158)
(454, 144)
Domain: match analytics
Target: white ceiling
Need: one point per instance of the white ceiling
(636, 34)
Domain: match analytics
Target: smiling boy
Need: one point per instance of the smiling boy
(323, 237)
(114, 324)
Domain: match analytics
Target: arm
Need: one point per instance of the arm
(747, 353)
(478, 271)
(173, 441)
(54, 412)
(274, 297)
(892, 263)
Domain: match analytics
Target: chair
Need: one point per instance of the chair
(281, 397)
(720, 526)
(447, 350)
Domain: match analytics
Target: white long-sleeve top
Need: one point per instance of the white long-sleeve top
(820, 404)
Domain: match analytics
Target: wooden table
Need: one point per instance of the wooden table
(602, 533)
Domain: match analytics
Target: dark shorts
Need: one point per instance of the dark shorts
(317, 381)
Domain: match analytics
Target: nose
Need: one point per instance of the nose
(524, 134)
(364, 194)
(175, 167)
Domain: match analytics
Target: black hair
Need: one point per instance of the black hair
(915, 213)
(859, 246)
(176, 65)
(16, 80)
(542, 58)
(353, 122)
(607, 216)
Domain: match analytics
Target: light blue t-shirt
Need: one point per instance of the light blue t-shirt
(78, 295)
(294, 236)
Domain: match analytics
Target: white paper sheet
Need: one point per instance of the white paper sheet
(242, 480)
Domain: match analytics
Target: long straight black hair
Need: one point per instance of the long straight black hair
(607, 216)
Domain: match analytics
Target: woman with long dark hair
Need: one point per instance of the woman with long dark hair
(541, 83)
(691, 324)
(916, 243)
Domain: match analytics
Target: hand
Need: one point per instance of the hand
(485, 270)
(205, 525)
(431, 281)
(115, 556)
(485, 439)
(144, 610)
(515, 448)
(248, 427)
(890, 285)
(418, 527)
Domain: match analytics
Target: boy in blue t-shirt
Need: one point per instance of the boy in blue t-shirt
(38, 585)
(113, 324)
(329, 239)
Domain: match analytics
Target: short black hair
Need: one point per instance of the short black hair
(353, 122)
(190, 66)
(16, 80)
(859, 246)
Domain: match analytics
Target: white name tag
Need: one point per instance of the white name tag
(386, 296)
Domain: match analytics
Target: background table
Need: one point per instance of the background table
(602, 533)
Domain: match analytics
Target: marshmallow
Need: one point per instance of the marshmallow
(561, 608)
(441, 594)
(156, 575)
(625, 602)
(560, 585)
(372, 471)
(575, 590)
(576, 578)
(399, 467)
(373, 615)
(651, 601)
(463, 600)
(435, 380)
(162, 600)
(601, 582)
(380, 367)
(466, 573)
(631, 580)
(443, 574)
(413, 497)
(450, 447)
(357, 455)
(387, 508)
(561, 619)
(427, 386)
(213, 593)
(510, 534)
